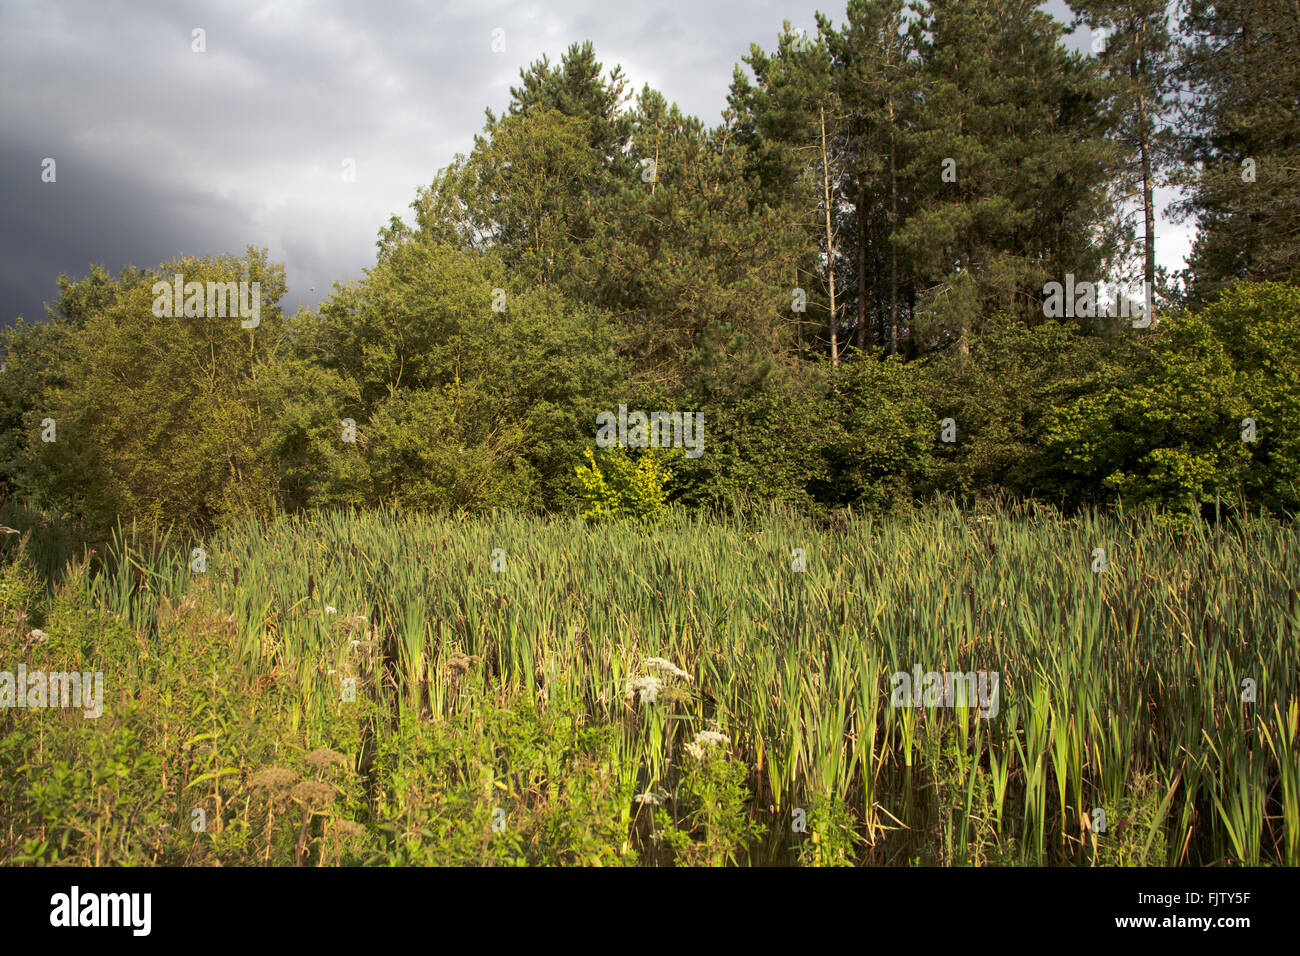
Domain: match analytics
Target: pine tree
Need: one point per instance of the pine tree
(1137, 58)
(1009, 168)
(874, 74)
(1241, 142)
(691, 255)
(795, 128)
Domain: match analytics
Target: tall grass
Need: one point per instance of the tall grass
(1120, 690)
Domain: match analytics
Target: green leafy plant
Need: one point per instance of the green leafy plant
(624, 488)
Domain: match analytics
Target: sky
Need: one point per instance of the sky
(161, 151)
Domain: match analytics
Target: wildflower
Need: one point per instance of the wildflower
(659, 663)
(331, 609)
(322, 758)
(648, 687)
(654, 798)
(37, 636)
(347, 828)
(459, 662)
(705, 740)
(313, 793)
(274, 778)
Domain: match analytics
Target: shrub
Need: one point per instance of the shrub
(1172, 427)
(625, 489)
(21, 592)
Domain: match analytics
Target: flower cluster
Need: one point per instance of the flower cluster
(648, 687)
(705, 740)
(662, 664)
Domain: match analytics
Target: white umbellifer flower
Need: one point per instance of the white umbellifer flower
(647, 686)
(703, 741)
(331, 609)
(654, 799)
(660, 663)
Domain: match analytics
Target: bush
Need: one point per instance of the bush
(1173, 427)
(625, 489)
(22, 594)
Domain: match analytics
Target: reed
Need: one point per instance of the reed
(1121, 690)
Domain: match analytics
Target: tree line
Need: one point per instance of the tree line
(845, 279)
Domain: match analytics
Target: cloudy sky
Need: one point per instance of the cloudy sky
(161, 151)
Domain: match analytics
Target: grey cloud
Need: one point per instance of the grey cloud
(162, 151)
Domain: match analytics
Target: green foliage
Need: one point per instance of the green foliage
(157, 417)
(456, 406)
(593, 248)
(35, 360)
(22, 593)
(588, 252)
(494, 693)
(1239, 149)
(624, 488)
(1172, 427)
(831, 838)
(1134, 833)
(1000, 400)
(79, 636)
(762, 447)
(504, 786)
(881, 436)
(714, 824)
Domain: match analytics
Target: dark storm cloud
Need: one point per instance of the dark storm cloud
(162, 152)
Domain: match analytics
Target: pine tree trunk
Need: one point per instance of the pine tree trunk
(893, 246)
(830, 242)
(862, 266)
(963, 343)
(1144, 149)
(1149, 267)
